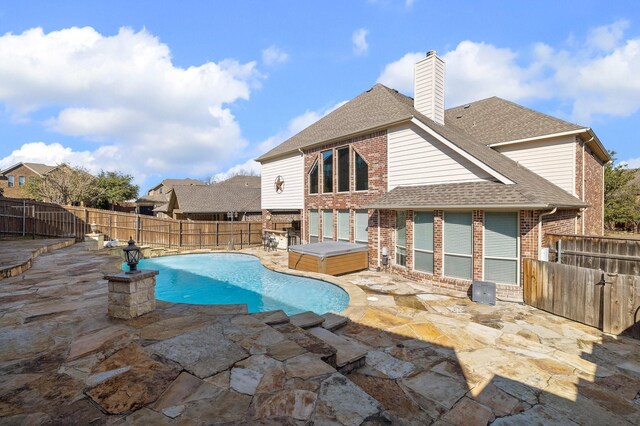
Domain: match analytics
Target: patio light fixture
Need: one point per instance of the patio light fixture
(132, 256)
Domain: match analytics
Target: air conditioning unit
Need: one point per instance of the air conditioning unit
(483, 292)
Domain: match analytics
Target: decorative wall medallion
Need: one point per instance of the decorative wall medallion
(279, 184)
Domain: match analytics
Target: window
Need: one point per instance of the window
(458, 245)
(21, 180)
(313, 226)
(361, 227)
(343, 169)
(327, 225)
(343, 225)
(401, 238)
(313, 179)
(501, 247)
(362, 173)
(327, 171)
(423, 241)
(11, 181)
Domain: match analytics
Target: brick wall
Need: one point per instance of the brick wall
(373, 148)
(478, 225)
(589, 178)
(594, 193)
(561, 222)
(17, 191)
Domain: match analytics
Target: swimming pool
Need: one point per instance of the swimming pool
(226, 278)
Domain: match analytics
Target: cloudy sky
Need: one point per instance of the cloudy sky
(200, 88)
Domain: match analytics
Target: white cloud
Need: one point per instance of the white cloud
(295, 125)
(124, 92)
(250, 166)
(607, 37)
(359, 40)
(599, 76)
(273, 55)
(632, 163)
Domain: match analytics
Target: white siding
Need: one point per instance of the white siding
(416, 158)
(553, 159)
(292, 171)
(428, 86)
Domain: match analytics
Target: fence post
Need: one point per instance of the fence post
(240, 238)
(110, 229)
(559, 252)
(249, 233)
(217, 234)
(138, 228)
(33, 222)
(24, 217)
(86, 219)
(180, 233)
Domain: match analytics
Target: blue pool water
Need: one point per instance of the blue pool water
(222, 278)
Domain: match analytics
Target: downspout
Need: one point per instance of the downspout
(304, 193)
(584, 147)
(378, 216)
(540, 228)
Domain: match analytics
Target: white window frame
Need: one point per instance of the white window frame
(422, 250)
(395, 258)
(348, 212)
(317, 227)
(445, 253)
(355, 171)
(484, 233)
(325, 213)
(355, 221)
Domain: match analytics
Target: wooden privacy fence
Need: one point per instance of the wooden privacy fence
(30, 218)
(615, 255)
(608, 301)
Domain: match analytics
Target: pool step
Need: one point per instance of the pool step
(350, 354)
(309, 342)
(272, 317)
(306, 320)
(334, 321)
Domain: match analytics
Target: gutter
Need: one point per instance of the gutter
(474, 207)
(540, 228)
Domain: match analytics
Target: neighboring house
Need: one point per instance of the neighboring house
(155, 202)
(451, 196)
(14, 179)
(239, 194)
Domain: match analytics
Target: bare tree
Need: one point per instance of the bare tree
(64, 185)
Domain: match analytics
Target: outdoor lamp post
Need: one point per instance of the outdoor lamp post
(231, 216)
(132, 256)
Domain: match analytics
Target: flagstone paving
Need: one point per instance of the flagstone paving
(430, 358)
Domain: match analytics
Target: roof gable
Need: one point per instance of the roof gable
(41, 169)
(230, 195)
(376, 108)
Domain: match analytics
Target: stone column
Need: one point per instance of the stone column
(132, 295)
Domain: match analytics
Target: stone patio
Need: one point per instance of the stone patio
(405, 356)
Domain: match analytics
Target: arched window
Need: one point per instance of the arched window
(313, 179)
(361, 173)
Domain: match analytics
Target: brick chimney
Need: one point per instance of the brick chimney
(428, 87)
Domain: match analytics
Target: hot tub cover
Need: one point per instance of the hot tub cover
(328, 248)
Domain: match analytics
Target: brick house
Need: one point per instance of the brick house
(14, 179)
(451, 195)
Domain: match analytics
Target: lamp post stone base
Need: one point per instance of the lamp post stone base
(132, 295)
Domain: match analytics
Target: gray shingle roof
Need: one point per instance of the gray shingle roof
(496, 120)
(41, 169)
(381, 106)
(158, 198)
(459, 195)
(375, 108)
(241, 195)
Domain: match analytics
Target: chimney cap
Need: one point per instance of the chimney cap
(431, 53)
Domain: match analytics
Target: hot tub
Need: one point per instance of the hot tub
(329, 257)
